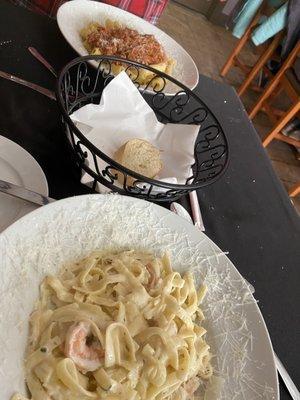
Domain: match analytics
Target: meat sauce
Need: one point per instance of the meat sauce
(127, 43)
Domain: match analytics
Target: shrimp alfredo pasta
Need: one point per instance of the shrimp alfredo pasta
(117, 325)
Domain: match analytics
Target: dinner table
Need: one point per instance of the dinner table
(247, 212)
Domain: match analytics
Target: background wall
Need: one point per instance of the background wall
(211, 9)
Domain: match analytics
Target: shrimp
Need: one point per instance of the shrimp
(191, 386)
(153, 279)
(86, 356)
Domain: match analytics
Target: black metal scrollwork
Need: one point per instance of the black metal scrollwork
(81, 153)
(110, 173)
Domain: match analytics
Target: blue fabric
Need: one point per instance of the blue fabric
(248, 12)
(245, 17)
(271, 26)
(276, 3)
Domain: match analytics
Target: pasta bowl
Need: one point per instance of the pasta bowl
(73, 16)
(67, 230)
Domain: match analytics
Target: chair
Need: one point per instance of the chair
(284, 80)
(295, 190)
(251, 71)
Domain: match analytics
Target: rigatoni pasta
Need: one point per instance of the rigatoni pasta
(112, 39)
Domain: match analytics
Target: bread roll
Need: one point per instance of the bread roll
(140, 156)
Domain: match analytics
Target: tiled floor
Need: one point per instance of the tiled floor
(210, 53)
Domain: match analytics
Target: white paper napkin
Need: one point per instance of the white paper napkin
(123, 114)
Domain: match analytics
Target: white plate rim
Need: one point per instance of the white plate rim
(33, 177)
(84, 200)
(69, 7)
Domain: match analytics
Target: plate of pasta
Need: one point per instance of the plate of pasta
(110, 297)
(95, 28)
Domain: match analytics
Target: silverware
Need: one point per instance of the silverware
(291, 387)
(36, 54)
(195, 206)
(24, 194)
(33, 86)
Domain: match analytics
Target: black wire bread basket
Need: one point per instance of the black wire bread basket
(82, 81)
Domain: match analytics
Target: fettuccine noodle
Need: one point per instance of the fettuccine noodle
(117, 325)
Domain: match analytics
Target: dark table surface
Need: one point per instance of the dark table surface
(247, 212)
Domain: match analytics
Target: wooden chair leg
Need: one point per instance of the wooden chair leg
(274, 82)
(294, 109)
(239, 46)
(260, 63)
(269, 89)
(295, 190)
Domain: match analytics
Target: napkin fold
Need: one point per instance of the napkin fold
(123, 114)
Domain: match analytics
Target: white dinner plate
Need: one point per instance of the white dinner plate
(72, 16)
(19, 167)
(42, 241)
